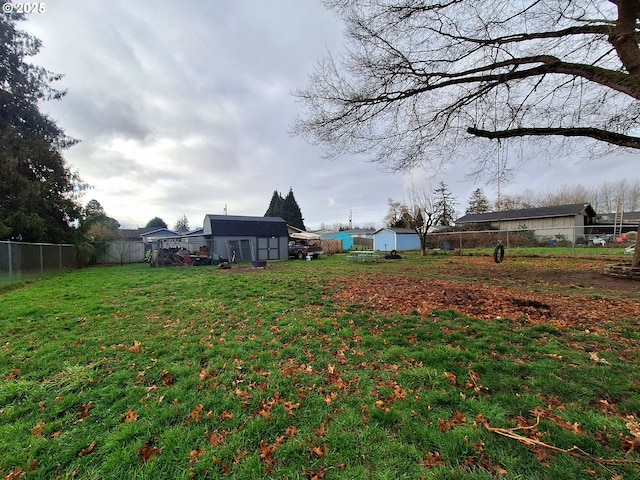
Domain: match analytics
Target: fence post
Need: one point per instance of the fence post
(10, 259)
(41, 260)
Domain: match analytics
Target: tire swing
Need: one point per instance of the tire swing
(498, 253)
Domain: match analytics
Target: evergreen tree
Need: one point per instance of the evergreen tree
(156, 222)
(275, 207)
(291, 211)
(445, 205)
(38, 192)
(478, 202)
(287, 208)
(93, 213)
(182, 224)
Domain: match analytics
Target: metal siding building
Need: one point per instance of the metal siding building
(568, 220)
(402, 239)
(246, 239)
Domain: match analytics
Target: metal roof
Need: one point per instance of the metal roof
(569, 210)
(235, 225)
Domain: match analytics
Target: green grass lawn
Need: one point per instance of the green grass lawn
(170, 373)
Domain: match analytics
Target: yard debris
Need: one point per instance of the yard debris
(533, 443)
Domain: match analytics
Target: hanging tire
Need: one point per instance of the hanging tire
(498, 253)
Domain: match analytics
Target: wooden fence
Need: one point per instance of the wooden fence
(329, 247)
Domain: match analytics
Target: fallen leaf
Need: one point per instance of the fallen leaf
(319, 450)
(86, 409)
(88, 450)
(130, 416)
(433, 459)
(226, 415)
(452, 377)
(289, 407)
(314, 474)
(457, 418)
(167, 378)
(38, 429)
(16, 474)
(149, 451)
(195, 415)
(243, 394)
(194, 455)
(594, 356)
(217, 438)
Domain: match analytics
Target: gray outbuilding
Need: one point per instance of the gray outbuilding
(246, 239)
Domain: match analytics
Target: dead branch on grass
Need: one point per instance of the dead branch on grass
(573, 451)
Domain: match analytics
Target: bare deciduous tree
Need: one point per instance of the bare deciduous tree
(421, 212)
(421, 76)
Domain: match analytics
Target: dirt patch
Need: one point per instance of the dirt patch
(564, 293)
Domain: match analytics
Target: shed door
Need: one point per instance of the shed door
(268, 248)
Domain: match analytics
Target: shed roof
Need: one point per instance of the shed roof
(234, 225)
(398, 231)
(569, 210)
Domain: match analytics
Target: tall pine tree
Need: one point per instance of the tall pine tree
(38, 192)
(291, 211)
(478, 202)
(444, 204)
(275, 207)
(287, 208)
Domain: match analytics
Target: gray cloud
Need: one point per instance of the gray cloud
(185, 108)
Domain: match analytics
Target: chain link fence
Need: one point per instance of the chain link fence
(597, 236)
(19, 260)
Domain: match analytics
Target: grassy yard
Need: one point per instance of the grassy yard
(171, 373)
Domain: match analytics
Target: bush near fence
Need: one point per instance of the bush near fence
(483, 239)
(539, 237)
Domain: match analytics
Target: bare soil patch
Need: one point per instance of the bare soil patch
(560, 292)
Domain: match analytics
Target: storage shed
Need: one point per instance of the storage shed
(402, 239)
(245, 239)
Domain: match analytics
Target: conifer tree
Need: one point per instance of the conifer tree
(286, 208)
(444, 204)
(38, 191)
(275, 207)
(478, 202)
(291, 211)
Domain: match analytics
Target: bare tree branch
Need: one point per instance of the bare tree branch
(595, 133)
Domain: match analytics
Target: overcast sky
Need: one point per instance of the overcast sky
(185, 108)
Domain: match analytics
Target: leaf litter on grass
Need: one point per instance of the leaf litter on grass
(314, 369)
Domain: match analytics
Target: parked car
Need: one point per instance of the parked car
(599, 241)
(301, 249)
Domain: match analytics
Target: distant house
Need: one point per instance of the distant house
(401, 239)
(618, 223)
(133, 234)
(159, 238)
(361, 232)
(245, 239)
(569, 220)
(347, 239)
(344, 237)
